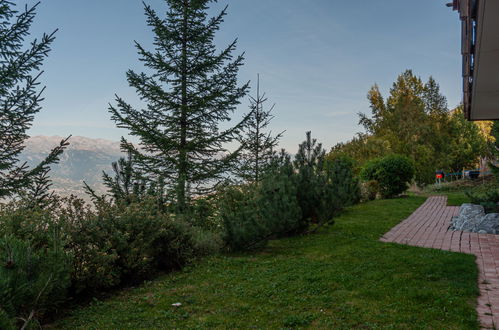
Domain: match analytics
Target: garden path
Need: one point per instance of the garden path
(428, 227)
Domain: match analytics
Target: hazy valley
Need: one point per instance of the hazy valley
(84, 160)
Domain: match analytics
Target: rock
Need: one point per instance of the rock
(472, 218)
(489, 223)
(469, 217)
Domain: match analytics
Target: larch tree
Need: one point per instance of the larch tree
(258, 144)
(190, 90)
(20, 97)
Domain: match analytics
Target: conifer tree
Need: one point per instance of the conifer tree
(191, 90)
(38, 193)
(257, 144)
(20, 96)
(309, 162)
(126, 186)
(129, 184)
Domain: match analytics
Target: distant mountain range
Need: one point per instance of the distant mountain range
(83, 160)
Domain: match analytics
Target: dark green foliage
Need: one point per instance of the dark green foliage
(125, 183)
(203, 213)
(32, 281)
(20, 96)
(30, 223)
(129, 185)
(244, 229)
(38, 191)
(6, 322)
(254, 213)
(192, 90)
(370, 169)
(489, 199)
(309, 164)
(110, 244)
(275, 206)
(257, 144)
(277, 200)
(393, 174)
(323, 187)
(120, 244)
(343, 188)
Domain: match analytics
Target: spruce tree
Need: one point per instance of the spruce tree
(191, 90)
(257, 144)
(37, 193)
(20, 95)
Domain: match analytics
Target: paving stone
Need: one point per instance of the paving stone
(429, 227)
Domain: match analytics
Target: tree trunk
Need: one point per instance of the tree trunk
(182, 166)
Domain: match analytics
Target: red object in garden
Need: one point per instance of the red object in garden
(439, 176)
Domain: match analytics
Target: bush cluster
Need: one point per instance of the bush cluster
(389, 176)
(74, 250)
(252, 213)
(287, 201)
(489, 198)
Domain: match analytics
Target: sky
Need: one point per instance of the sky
(317, 59)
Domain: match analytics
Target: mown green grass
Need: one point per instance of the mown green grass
(456, 198)
(339, 278)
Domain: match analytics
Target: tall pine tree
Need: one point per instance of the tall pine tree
(20, 96)
(192, 90)
(257, 144)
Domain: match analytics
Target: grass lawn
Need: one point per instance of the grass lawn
(341, 278)
(456, 198)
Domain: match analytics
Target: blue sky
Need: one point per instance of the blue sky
(317, 58)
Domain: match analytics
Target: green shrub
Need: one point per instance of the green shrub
(179, 243)
(120, 244)
(308, 165)
(277, 200)
(238, 206)
(274, 207)
(32, 282)
(6, 322)
(31, 224)
(89, 250)
(202, 212)
(393, 174)
(341, 187)
(369, 190)
(488, 199)
(370, 170)
(254, 213)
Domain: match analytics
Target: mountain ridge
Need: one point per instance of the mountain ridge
(84, 160)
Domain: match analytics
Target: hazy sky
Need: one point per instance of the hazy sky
(317, 58)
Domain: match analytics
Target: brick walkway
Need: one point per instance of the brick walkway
(427, 227)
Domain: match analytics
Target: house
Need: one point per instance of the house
(480, 50)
